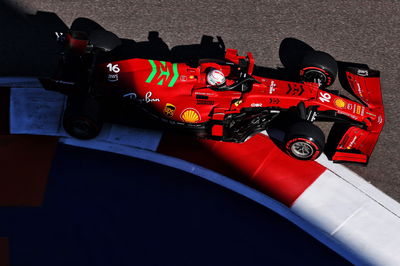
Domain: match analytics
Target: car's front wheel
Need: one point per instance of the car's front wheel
(319, 67)
(304, 141)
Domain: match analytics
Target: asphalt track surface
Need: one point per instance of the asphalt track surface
(353, 31)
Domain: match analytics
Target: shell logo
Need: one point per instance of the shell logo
(340, 103)
(190, 115)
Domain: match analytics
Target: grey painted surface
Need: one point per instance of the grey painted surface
(39, 112)
(36, 109)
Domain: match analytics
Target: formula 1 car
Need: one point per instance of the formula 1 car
(178, 94)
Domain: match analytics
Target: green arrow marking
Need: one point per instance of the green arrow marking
(153, 71)
(176, 75)
(164, 71)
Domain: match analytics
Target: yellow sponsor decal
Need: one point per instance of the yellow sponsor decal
(237, 103)
(190, 115)
(358, 110)
(340, 103)
(169, 110)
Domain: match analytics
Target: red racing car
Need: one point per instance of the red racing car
(237, 106)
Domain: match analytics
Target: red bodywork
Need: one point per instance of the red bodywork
(357, 143)
(179, 93)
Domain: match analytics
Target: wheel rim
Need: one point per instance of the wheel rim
(302, 149)
(81, 128)
(316, 76)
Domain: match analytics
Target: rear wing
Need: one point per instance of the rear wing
(351, 143)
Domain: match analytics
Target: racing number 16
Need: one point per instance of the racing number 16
(113, 68)
(325, 97)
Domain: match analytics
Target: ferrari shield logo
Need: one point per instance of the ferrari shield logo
(169, 110)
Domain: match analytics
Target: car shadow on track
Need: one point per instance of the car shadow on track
(27, 45)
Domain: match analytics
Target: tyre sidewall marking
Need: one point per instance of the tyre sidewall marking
(316, 152)
(327, 75)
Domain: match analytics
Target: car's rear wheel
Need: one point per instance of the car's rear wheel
(83, 117)
(304, 141)
(98, 37)
(85, 25)
(319, 67)
(104, 40)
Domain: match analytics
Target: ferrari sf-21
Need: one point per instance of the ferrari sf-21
(223, 99)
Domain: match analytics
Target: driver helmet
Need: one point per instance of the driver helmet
(215, 77)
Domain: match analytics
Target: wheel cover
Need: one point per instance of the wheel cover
(316, 76)
(302, 149)
(81, 128)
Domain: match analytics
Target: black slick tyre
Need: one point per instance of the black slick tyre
(98, 37)
(104, 40)
(83, 117)
(304, 141)
(318, 67)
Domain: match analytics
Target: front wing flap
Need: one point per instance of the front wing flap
(350, 143)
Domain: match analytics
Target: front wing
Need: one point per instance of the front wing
(349, 143)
